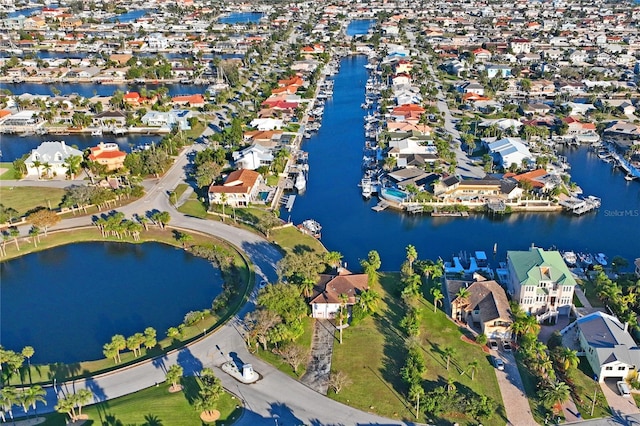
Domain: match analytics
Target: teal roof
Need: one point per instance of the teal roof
(537, 265)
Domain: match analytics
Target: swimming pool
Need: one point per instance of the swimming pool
(394, 194)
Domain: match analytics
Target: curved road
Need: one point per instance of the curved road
(276, 398)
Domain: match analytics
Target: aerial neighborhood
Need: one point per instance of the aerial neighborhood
(472, 170)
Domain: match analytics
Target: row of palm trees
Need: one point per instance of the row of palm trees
(24, 398)
(134, 343)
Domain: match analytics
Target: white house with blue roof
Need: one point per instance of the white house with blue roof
(508, 151)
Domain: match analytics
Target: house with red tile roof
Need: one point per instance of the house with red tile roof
(195, 101)
(241, 188)
(325, 301)
(109, 155)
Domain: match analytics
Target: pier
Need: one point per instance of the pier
(580, 206)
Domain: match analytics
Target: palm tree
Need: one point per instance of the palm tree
(174, 373)
(82, 398)
(463, 293)
(67, 405)
(437, 298)
(557, 393)
(72, 163)
(34, 233)
(333, 258)
(449, 352)
(412, 255)
(224, 198)
(109, 350)
(119, 343)
(342, 315)
(472, 368)
(568, 358)
(15, 233)
(37, 164)
(31, 396)
(369, 300)
(416, 391)
(47, 168)
(306, 287)
(8, 398)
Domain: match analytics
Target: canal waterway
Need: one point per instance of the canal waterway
(359, 26)
(241, 18)
(89, 90)
(333, 198)
(68, 301)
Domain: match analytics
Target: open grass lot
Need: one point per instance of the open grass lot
(46, 373)
(589, 289)
(288, 238)
(25, 198)
(374, 351)
(8, 173)
(193, 207)
(582, 378)
(154, 406)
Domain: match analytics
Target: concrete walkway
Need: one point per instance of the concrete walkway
(319, 368)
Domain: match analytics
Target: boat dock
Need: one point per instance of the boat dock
(288, 201)
(380, 206)
(580, 206)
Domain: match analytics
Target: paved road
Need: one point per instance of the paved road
(276, 394)
(514, 397)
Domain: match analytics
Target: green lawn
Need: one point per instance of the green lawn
(374, 351)
(288, 238)
(9, 173)
(576, 302)
(25, 198)
(582, 378)
(589, 290)
(154, 406)
(193, 207)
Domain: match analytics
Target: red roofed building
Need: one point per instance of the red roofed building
(241, 188)
(534, 177)
(325, 301)
(195, 101)
(280, 104)
(109, 155)
(576, 127)
(409, 108)
(293, 81)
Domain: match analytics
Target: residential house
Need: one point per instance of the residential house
(481, 55)
(486, 307)
(253, 157)
(172, 118)
(520, 45)
(109, 118)
(584, 132)
(109, 155)
(193, 101)
(326, 299)
(606, 343)
(264, 124)
(541, 282)
(240, 189)
(508, 151)
(49, 159)
(539, 179)
(478, 190)
(503, 71)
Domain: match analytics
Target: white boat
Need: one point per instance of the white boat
(300, 183)
(311, 227)
(570, 258)
(367, 190)
(629, 178)
(601, 258)
(96, 132)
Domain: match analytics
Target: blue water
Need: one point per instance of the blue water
(47, 54)
(129, 16)
(352, 228)
(68, 301)
(241, 18)
(25, 12)
(359, 26)
(14, 146)
(88, 90)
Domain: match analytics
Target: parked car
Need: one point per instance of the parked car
(506, 346)
(493, 345)
(624, 389)
(498, 363)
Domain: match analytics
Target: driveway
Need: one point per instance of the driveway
(514, 398)
(619, 405)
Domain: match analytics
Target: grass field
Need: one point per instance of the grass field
(374, 351)
(25, 198)
(288, 238)
(154, 406)
(9, 173)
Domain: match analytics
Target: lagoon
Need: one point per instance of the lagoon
(241, 18)
(89, 90)
(333, 198)
(68, 301)
(359, 26)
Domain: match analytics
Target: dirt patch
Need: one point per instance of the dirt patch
(174, 389)
(210, 417)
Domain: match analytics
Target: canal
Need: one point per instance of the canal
(350, 226)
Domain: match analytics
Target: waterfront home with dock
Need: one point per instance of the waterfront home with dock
(240, 189)
(49, 159)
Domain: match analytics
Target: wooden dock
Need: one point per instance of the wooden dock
(288, 202)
